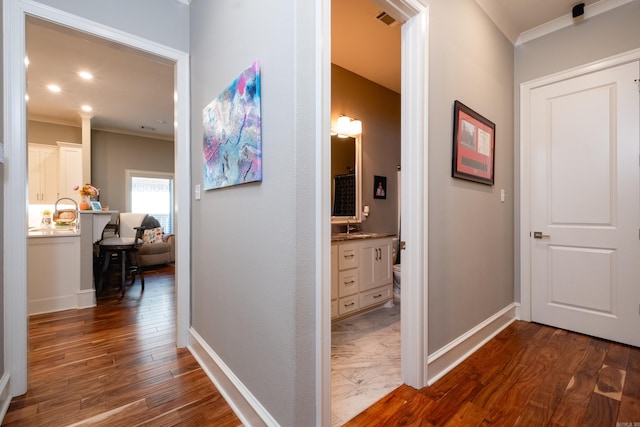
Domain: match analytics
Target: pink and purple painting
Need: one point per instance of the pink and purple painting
(232, 145)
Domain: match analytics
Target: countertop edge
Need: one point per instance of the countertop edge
(369, 236)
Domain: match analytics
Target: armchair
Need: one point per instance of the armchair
(157, 247)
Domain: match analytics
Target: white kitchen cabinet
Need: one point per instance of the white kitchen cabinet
(375, 263)
(43, 173)
(70, 164)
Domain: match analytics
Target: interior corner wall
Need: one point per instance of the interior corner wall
(592, 40)
(113, 153)
(470, 267)
(379, 110)
(253, 245)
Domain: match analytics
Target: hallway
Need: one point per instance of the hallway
(117, 364)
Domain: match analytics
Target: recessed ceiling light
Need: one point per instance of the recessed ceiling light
(85, 75)
(86, 108)
(54, 88)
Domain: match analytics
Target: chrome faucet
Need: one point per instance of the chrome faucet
(349, 227)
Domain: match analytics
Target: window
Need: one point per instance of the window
(151, 193)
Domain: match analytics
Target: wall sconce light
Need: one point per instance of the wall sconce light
(347, 126)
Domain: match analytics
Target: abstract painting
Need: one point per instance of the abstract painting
(232, 144)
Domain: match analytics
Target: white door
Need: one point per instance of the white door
(585, 198)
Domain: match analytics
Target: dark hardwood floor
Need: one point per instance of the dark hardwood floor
(117, 365)
(528, 375)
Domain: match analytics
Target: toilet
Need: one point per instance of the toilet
(396, 269)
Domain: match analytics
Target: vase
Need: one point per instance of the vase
(84, 203)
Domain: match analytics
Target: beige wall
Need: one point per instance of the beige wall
(112, 153)
(470, 230)
(379, 109)
(49, 133)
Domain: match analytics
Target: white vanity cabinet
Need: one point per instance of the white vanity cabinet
(43, 173)
(364, 275)
(334, 281)
(347, 278)
(375, 263)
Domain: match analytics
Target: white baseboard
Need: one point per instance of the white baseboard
(244, 404)
(86, 298)
(49, 305)
(452, 354)
(5, 395)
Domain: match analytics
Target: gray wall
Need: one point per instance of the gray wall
(594, 39)
(112, 153)
(470, 230)
(253, 246)
(379, 109)
(162, 21)
(2, 200)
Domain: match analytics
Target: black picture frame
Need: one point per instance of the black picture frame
(379, 187)
(474, 139)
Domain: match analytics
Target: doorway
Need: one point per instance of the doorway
(578, 251)
(15, 328)
(414, 158)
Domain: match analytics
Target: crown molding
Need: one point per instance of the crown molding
(565, 21)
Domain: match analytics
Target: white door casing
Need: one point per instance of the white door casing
(585, 202)
(15, 273)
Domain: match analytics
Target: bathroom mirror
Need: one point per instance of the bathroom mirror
(346, 179)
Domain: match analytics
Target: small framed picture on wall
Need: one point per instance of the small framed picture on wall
(379, 187)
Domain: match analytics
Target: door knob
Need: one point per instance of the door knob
(539, 235)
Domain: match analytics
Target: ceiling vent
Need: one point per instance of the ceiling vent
(387, 19)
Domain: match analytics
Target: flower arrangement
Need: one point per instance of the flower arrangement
(87, 190)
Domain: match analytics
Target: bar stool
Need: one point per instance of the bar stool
(125, 248)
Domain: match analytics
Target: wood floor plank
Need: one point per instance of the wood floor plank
(116, 365)
(538, 376)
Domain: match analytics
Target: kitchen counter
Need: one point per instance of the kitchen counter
(360, 235)
(53, 232)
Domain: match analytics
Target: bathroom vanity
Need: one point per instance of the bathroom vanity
(361, 273)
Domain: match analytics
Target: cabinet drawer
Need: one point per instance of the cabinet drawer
(334, 308)
(347, 256)
(348, 282)
(375, 296)
(347, 305)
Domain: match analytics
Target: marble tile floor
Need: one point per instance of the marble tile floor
(365, 361)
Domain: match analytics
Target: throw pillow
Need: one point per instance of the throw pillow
(153, 235)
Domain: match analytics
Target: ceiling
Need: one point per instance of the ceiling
(370, 48)
(132, 91)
